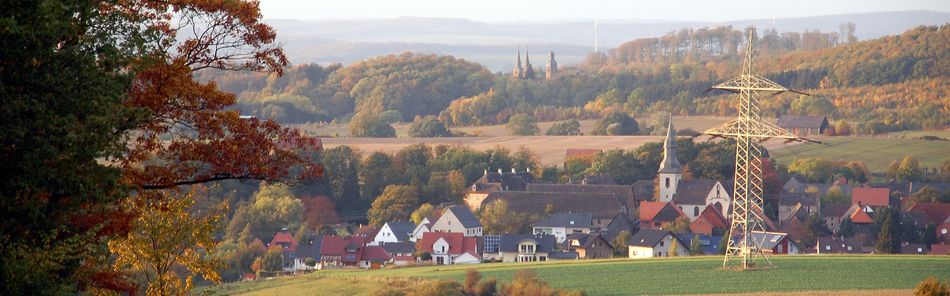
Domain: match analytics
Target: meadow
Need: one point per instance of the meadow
(811, 275)
(875, 152)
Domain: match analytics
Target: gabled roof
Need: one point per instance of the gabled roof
(669, 164)
(801, 121)
(585, 240)
(401, 229)
(374, 254)
(834, 209)
(563, 255)
(936, 212)
(598, 204)
(623, 192)
(464, 215)
(693, 192)
(504, 181)
(659, 211)
(284, 237)
(804, 198)
(309, 249)
(651, 237)
(877, 197)
(569, 220)
(620, 222)
(509, 242)
(836, 245)
(643, 190)
(400, 247)
(348, 248)
(860, 217)
(914, 249)
(713, 217)
(366, 232)
(458, 243)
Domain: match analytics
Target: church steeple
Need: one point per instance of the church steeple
(528, 70)
(670, 171)
(551, 67)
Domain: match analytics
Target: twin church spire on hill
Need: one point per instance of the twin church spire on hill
(527, 72)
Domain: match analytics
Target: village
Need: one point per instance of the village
(668, 216)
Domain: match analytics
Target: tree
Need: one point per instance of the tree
(522, 125)
(370, 126)
(565, 128)
(887, 223)
(695, 247)
(846, 228)
(169, 234)
(813, 228)
(526, 282)
(318, 211)
(472, 277)
(673, 246)
(927, 194)
(425, 210)
(621, 242)
(375, 173)
(342, 174)
(395, 204)
(273, 259)
(623, 167)
(909, 170)
(428, 127)
(680, 225)
(723, 244)
(623, 125)
(272, 208)
(835, 195)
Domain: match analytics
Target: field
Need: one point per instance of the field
(809, 275)
(875, 152)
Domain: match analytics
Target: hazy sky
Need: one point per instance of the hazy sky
(529, 10)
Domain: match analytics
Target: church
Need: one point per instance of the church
(691, 196)
(527, 71)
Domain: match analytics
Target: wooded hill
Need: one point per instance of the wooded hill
(890, 83)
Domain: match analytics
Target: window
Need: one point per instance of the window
(633, 253)
(695, 211)
(667, 182)
(827, 248)
(661, 243)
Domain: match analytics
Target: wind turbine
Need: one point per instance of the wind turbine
(595, 35)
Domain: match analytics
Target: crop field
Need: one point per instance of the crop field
(805, 275)
(875, 152)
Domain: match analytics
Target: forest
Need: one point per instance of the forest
(887, 84)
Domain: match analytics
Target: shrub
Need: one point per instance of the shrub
(931, 286)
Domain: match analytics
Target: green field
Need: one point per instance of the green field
(875, 152)
(686, 275)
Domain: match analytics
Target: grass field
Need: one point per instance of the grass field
(876, 152)
(686, 275)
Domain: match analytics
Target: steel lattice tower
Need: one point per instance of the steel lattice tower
(748, 130)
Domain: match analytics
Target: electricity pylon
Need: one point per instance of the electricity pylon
(749, 130)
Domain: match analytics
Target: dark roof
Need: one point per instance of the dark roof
(914, 249)
(400, 247)
(598, 204)
(577, 220)
(401, 229)
(802, 121)
(509, 242)
(655, 211)
(834, 209)
(563, 255)
(838, 245)
(792, 198)
(693, 192)
(465, 216)
(584, 240)
(309, 249)
(643, 190)
(624, 192)
(669, 164)
(650, 237)
(619, 223)
(504, 181)
(598, 179)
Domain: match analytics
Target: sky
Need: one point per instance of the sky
(530, 10)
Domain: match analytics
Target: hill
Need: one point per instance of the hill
(686, 275)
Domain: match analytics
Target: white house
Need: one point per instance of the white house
(648, 243)
(394, 231)
(450, 248)
(424, 226)
(525, 247)
(458, 219)
(561, 225)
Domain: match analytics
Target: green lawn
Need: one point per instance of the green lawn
(876, 152)
(696, 275)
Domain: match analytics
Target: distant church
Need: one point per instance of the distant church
(527, 72)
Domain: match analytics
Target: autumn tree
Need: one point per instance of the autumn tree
(342, 174)
(428, 127)
(170, 234)
(909, 170)
(680, 225)
(526, 282)
(621, 243)
(424, 211)
(616, 123)
(395, 204)
(565, 128)
(318, 211)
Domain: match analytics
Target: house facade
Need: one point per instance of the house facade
(448, 248)
(588, 246)
(458, 219)
(649, 243)
(560, 225)
(526, 247)
(394, 231)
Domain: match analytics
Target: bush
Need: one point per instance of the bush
(565, 128)
(428, 127)
(931, 286)
(616, 124)
(522, 125)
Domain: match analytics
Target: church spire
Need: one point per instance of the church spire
(670, 164)
(528, 72)
(516, 72)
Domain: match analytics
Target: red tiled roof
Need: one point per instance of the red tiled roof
(861, 217)
(649, 209)
(458, 243)
(708, 220)
(367, 232)
(375, 253)
(284, 237)
(877, 197)
(936, 212)
(336, 246)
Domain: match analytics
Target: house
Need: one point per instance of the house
(796, 183)
(648, 243)
(775, 242)
(875, 197)
(860, 214)
(653, 214)
(562, 224)
(366, 233)
(601, 205)
(350, 251)
(620, 222)
(622, 195)
(525, 247)
(458, 219)
(588, 245)
(402, 253)
(307, 250)
(803, 125)
(914, 249)
(448, 248)
(394, 231)
(940, 249)
(490, 245)
(709, 222)
(558, 256)
(830, 245)
(494, 182)
(806, 202)
(832, 213)
(694, 196)
(936, 212)
(708, 244)
(943, 231)
(424, 226)
(285, 240)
